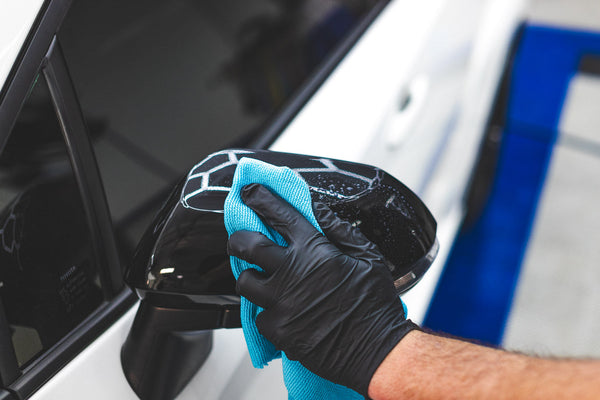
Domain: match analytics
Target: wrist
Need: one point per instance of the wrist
(384, 359)
(390, 370)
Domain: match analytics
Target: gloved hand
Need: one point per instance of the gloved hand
(329, 301)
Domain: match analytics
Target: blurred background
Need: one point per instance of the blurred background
(556, 309)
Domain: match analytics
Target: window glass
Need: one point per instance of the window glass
(164, 83)
(48, 282)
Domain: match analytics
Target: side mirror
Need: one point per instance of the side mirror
(181, 270)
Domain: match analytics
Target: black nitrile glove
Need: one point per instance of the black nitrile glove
(329, 302)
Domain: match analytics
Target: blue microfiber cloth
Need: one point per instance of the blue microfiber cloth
(300, 382)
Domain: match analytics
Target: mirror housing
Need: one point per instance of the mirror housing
(181, 269)
(182, 259)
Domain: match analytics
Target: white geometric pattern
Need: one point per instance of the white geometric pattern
(232, 159)
(328, 166)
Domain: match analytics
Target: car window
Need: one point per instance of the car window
(164, 83)
(48, 275)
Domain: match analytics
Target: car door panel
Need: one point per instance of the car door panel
(96, 372)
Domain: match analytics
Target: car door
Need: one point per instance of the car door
(140, 91)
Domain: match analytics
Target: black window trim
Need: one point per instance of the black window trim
(85, 168)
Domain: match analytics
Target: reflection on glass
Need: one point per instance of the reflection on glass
(47, 272)
(276, 52)
(165, 83)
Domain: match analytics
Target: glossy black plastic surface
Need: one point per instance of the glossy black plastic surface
(165, 347)
(184, 251)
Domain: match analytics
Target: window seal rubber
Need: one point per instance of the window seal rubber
(85, 168)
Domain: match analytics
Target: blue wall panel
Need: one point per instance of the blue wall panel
(475, 292)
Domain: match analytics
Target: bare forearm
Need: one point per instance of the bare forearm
(424, 366)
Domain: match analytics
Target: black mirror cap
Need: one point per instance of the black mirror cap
(182, 261)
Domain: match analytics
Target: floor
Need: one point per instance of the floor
(556, 310)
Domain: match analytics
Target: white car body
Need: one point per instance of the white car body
(447, 55)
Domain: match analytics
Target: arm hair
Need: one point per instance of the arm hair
(426, 366)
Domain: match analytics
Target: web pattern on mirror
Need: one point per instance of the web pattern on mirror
(229, 158)
(201, 177)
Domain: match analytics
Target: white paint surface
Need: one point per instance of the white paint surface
(16, 19)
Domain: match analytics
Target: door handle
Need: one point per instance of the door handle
(409, 106)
